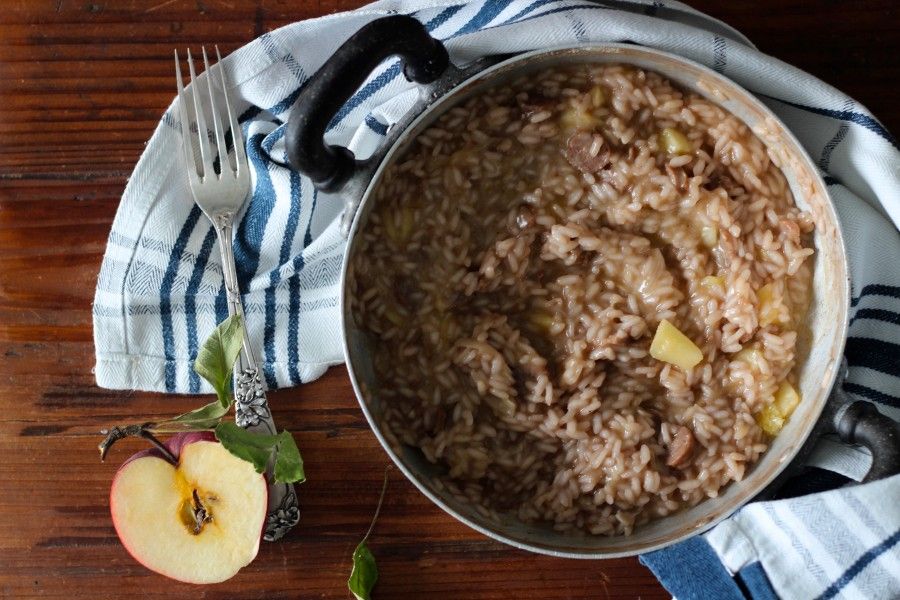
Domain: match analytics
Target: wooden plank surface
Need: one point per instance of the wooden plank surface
(82, 85)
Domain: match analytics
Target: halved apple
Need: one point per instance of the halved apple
(198, 521)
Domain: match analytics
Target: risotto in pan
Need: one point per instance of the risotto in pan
(585, 289)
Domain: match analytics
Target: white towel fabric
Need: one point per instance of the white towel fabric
(160, 287)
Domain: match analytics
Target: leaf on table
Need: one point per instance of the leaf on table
(215, 360)
(364, 574)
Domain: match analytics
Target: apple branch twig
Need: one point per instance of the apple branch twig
(142, 430)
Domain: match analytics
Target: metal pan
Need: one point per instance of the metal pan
(443, 86)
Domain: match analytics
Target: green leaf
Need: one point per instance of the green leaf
(215, 360)
(288, 462)
(255, 448)
(205, 417)
(364, 573)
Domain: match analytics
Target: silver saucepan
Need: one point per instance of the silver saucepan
(425, 61)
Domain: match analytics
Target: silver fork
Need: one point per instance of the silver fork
(220, 197)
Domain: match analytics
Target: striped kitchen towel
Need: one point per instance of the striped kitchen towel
(842, 543)
(160, 288)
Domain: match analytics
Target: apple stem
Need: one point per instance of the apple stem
(143, 430)
(380, 502)
(167, 454)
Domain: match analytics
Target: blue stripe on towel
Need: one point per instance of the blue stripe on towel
(530, 8)
(561, 9)
(487, 13)
(845, 115)
(754, 578)
(840, 134)
(247, 115)
(720, 48)
(287, 102)
(165, 294)
(307, 237)
(221, 304)
(269, 333)
(365, 92)
(271, 139)
(876, 314)
(290, 231)
(266, 188)
(289, 61)
(875, 289)
(376, 125)
(190, 302)
(871, 394)
(443, 16)
(252, 228)
(873, 354)
(857, 567)
(293, 334)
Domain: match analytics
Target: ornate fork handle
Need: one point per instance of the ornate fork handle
(250, 405)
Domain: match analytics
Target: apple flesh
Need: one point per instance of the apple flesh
(199, 521)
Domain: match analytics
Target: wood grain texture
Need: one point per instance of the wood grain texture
(82, 85)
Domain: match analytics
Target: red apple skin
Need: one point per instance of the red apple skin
(180, 440)
(175, 445)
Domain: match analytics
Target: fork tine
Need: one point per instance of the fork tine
(237, 136)
(205, 154)
(185, 119)
(221, 150)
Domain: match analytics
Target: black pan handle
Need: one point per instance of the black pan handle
(423, 59)
(861, 423)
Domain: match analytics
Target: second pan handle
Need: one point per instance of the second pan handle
(423, 60)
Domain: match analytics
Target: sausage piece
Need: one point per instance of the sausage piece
(587, 151)
(681, 448)
(525, 218)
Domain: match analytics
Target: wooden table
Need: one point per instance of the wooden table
(82, 85)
